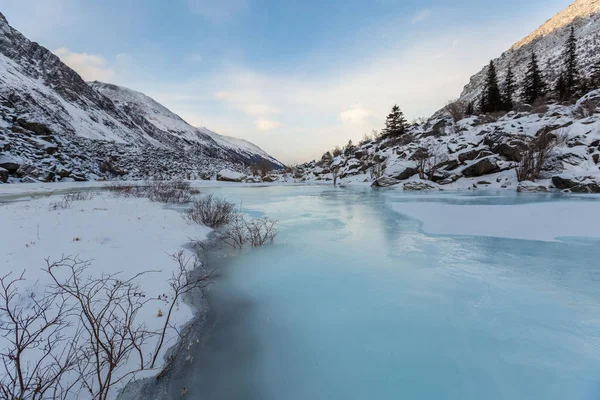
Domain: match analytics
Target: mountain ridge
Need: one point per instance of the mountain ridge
(44, 104)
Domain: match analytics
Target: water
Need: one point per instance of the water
(354, 301)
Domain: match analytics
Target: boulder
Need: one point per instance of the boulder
(531, 187)
(596, 158)
(270, 178)
(481, 167)
(385, 181)
(3, 175)
(9, 163)
(420, 185)
(401, 170)
(583, 184)
(39, 174)
(227, 175)
(508, 146)
(473, 154)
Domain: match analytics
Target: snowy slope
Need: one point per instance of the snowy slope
(133, 102)
(548, 43)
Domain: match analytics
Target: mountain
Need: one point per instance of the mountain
(547, 42)
(56, 126)
(532, 148)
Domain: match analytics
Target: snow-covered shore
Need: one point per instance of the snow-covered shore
(118, 235)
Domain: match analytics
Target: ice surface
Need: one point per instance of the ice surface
(355, 301)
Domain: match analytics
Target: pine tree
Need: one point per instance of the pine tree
(560, 89)
(395, 123)
(571, 75)
(595, 78)
(470, 110)
(492, 99)
(535, 87)
(509, 90)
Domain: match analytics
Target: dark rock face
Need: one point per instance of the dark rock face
(3, 175)
(577, 184)
(510, 147)
(473, 154)
(484, 166)
(385, 182)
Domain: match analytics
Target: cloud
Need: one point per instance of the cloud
(356, 115)
(266, 125)
(421, 15)
(91, 67)
(217, 11)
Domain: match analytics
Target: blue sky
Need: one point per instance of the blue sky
(294, 77)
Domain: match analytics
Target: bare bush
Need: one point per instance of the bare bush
(235, 234)
(67, 200)
(257, 232)
(34, 325)
(261, 231)
(428, 158)
(540, 106)
(111, 344)
(456, 110)
(181, 283)
(157, 190)
(337, 151)
(211, 211)
(169, 191)
(536, 156)
(586, 109)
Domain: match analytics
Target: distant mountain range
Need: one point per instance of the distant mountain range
(56, 126)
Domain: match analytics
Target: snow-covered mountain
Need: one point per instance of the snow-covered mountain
(54, 125)
(548, 43)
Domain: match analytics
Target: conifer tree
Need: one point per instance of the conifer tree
(595, 78)
(560, 89)
(571, 75)
(470, 110)
(395, 123)
(509, 90)
(534, 85)
(492, 99)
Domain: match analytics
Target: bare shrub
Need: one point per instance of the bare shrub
(337, 151)
(456, 110)
(235, 234)
(67, 200)
(261, 231)
(540, 106)
(169, 191)
(535, 157)
(257, 232)
(376, 171)
(586, 109)
(34, 325)
(211, 211)
(181, 283)
(157, 190)
(109, 333)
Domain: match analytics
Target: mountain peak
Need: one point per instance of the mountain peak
(577, 9)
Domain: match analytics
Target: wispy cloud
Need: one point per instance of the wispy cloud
(91, 67)
(421, 15)
(266, 124)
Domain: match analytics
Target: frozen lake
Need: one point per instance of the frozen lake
(481, 297)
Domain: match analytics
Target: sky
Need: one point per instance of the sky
(294, 77)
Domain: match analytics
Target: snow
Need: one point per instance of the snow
(126, 236)
(230, 175)
(546, 221)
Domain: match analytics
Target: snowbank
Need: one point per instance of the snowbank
(126, 236)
